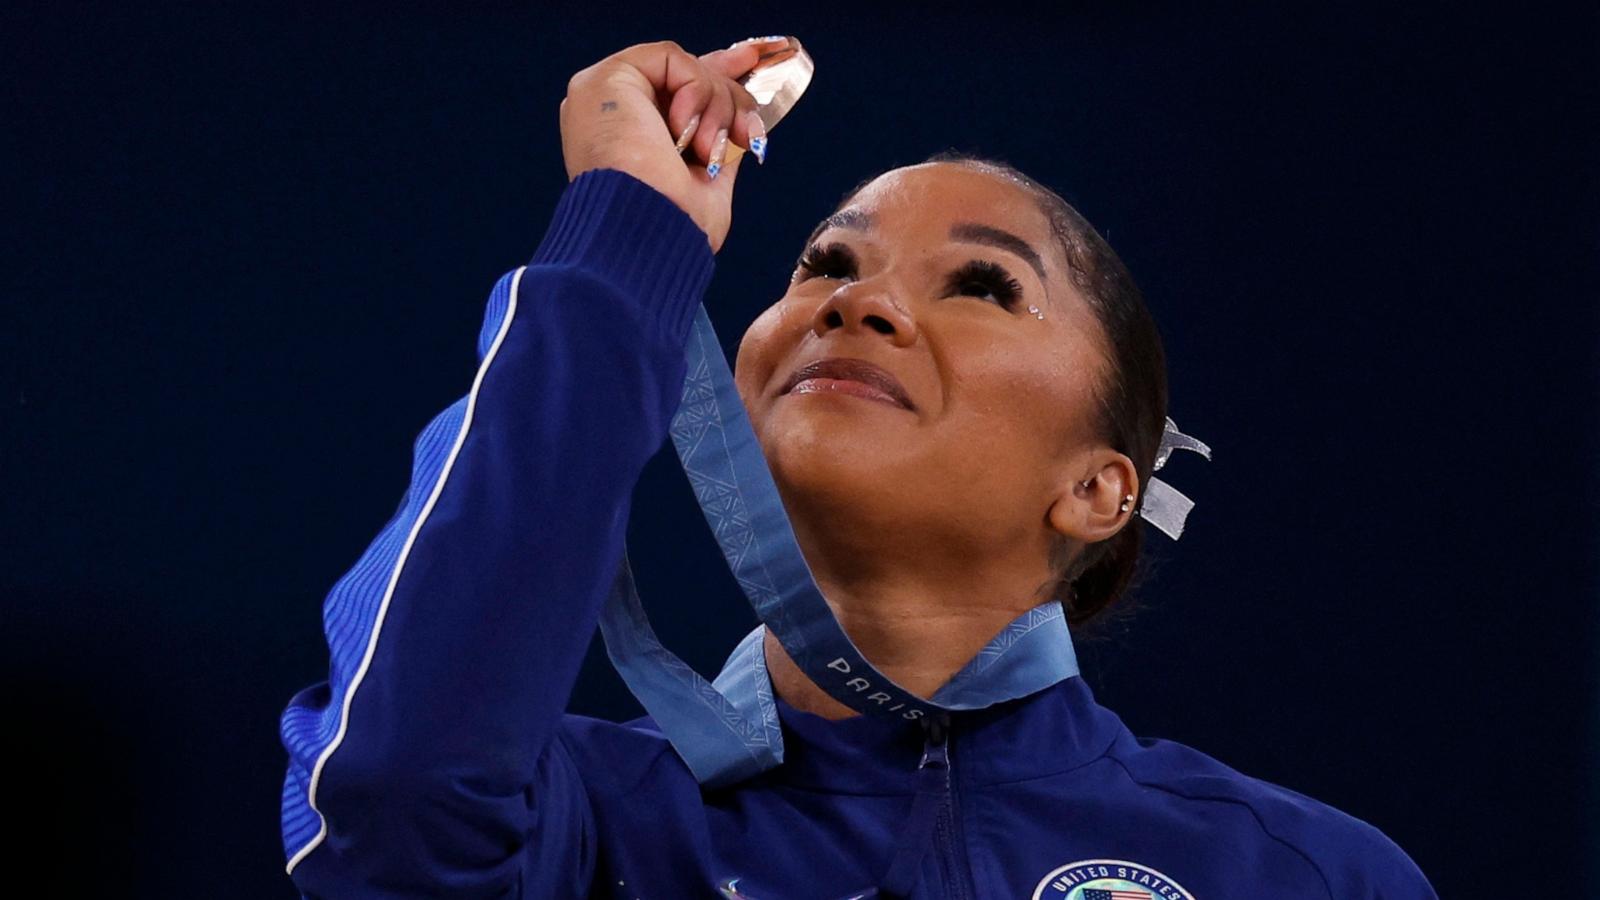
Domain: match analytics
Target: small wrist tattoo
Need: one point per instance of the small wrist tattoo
(608, 105)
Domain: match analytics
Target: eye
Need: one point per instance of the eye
(830, 261)
(977, 278)
(982, 278)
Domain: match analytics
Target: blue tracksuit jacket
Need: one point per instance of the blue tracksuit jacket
(436, 760)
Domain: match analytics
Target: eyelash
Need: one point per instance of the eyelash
(837, 259)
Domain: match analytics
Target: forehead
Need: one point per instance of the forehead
(932, 195)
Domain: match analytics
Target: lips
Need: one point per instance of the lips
(847, 369)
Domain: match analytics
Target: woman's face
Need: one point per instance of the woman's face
(928, 274)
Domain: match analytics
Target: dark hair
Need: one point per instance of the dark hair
(1132, 399)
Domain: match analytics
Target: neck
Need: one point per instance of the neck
(919, 585)
(919, 624)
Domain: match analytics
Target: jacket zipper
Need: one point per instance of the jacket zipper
(933, 820)
(947, 835)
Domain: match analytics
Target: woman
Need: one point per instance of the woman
(960, 398)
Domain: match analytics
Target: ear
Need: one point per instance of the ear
(1092, 512)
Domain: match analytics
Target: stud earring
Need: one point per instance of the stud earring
(1127, 502)
(1036, 313)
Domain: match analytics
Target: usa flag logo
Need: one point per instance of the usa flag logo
(1108, 879)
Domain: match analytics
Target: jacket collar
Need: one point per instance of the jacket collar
(1053, 730)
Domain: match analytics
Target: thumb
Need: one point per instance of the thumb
(735, 61)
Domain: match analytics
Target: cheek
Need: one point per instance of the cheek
(766, 344)
(1014, 412)
(754, 362)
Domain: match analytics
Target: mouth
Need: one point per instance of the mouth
(844, 375)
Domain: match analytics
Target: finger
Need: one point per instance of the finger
(733, 62)
(667, 66)
(687, 110)
(701, 109)
(747, 123)
(731, 107)
(726, 147)
(745, 129)
(718, 116)
(762, 46)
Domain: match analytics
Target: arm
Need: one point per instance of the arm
(425, 762)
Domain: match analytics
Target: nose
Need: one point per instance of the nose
(863, 305)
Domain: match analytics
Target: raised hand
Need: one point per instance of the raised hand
(642, 109)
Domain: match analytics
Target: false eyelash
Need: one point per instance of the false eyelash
(836, 260)
(990, 275)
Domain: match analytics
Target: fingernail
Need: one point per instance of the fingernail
(719, 149)
(771, 38)
(758, 136)
(688, 132)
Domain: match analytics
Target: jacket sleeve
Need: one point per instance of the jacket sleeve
(425, 765)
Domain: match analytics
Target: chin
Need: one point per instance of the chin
(823, 455)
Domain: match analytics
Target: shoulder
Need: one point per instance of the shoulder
(1353, 857)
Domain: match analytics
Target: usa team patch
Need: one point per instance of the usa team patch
(1108, 879)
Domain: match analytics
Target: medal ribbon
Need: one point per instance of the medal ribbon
(728, 730)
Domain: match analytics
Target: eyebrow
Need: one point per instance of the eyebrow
(974, 233)
(966, 232)
(853, 219)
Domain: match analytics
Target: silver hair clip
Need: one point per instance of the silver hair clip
(1164, 506)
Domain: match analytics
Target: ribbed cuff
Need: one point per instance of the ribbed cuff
(623, 231)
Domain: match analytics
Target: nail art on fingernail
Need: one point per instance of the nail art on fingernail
(688, 132)
(719, 149)
(758, 136)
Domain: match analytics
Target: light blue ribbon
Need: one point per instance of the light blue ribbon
(728, 730)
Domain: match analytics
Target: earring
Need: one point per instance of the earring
(1127, 502)
(1035, 311)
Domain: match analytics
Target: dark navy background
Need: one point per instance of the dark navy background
(246, 256)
